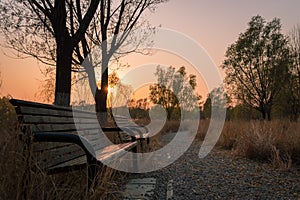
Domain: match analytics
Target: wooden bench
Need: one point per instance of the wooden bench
(58, 144)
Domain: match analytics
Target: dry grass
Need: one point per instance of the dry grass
(277, 142)
(20, 179)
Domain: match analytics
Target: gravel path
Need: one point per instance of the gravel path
(222, 176)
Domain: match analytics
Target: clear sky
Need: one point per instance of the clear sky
(214, 24)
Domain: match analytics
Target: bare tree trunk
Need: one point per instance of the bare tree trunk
(294, 112)
(63, 73)
(63, 55)
(102, 101)
(169, 113)
(101, 95)
(93, 85)
(269, 114)
(266, 113)
(263, 113)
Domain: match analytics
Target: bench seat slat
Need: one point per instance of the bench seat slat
(55, 157)
(72, 163)
(114, 151)
(42, 147)
(46, 146)
(59, 154)
(110, 152)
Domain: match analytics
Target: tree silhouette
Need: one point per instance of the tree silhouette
(216, 99)
(293, 86)
(118, 21)
(62, 33)
(30, 26)
(256, 65)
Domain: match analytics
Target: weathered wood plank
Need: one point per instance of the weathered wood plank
(63, 127)
(84, 129)
(31, 119)
(55, 159)
(22, 103)
(46, 112)
(97, 143)
(114, 151)
(53, 150)
(75, 162)
(46, 146)
(56, 156)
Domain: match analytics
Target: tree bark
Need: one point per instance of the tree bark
(266, 112)
(101, 101)
(263, 114)
(63, 72)
(269, 117)
(64, 51)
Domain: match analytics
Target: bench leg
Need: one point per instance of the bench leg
(146, 141)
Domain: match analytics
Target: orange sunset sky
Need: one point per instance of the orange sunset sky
(214, 24)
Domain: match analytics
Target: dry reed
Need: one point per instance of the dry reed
(277, 142)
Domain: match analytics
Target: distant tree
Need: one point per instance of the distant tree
(242, 112)
(293, 86)
(207, 107)
(119, 92)
(217, 100)
(257, 64)
(139, 109)
(143, 103)
(172, 88)
(8, 116)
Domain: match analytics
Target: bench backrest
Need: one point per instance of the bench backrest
(43, 118)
